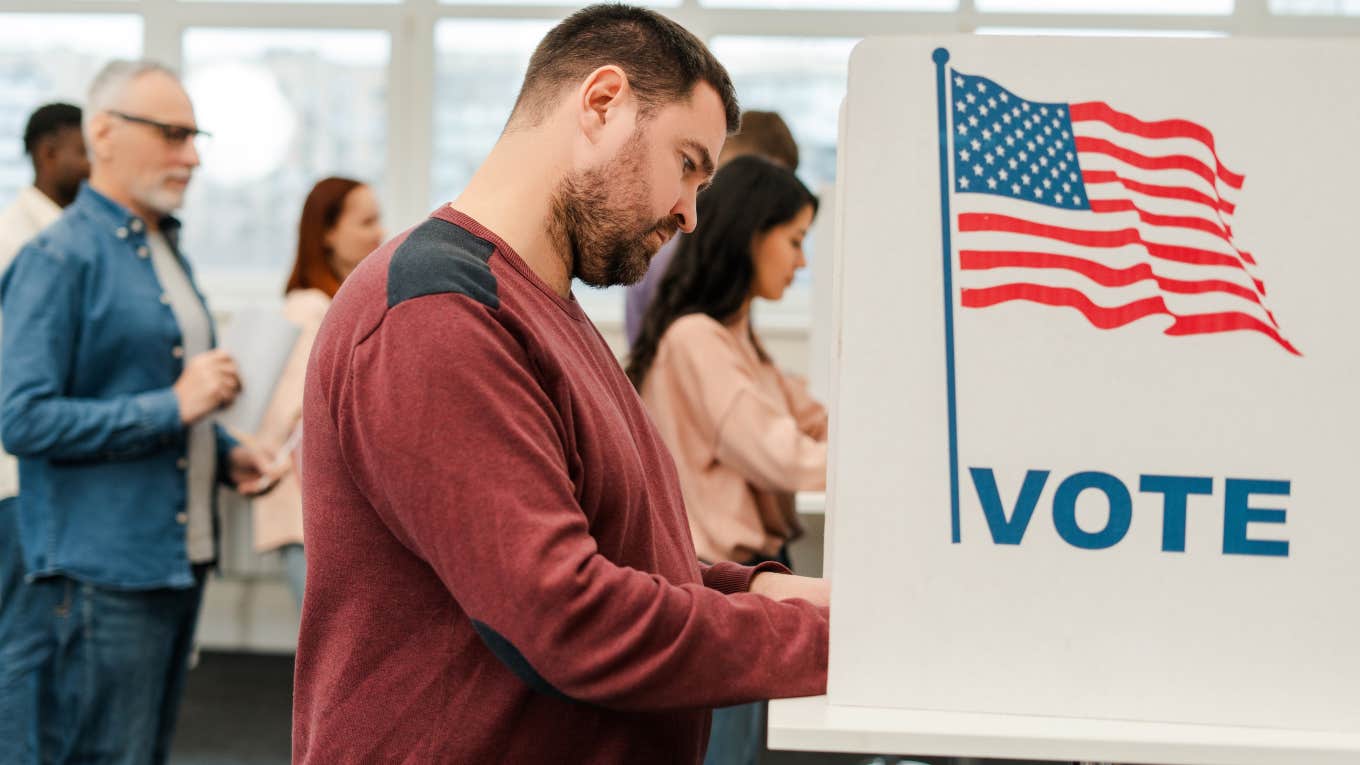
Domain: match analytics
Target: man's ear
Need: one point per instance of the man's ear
(97, 134)
(602, 98)
(46, 151)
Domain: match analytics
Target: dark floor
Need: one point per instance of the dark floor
(236, 712)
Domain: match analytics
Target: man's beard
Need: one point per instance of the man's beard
(159, 197)
(609, 242)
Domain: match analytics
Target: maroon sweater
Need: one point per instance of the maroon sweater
(499, 565)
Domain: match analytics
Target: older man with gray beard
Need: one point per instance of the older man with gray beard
(110, 381)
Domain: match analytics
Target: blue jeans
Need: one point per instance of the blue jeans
(295, 570)
(92, 675)
(18, 688)
(736, 735)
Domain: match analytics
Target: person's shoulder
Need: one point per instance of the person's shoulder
(306, 305)
(14, 233)
(66, 242)
(695, 327)
(438, 257)
(696, 335)
(11, 215)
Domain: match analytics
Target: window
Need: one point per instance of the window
(258, 2)
(51, 57)
(1177, 7)
(1316, 7)
(573, 3)
(479, 66)
(804, 80)
(1077, 32)
(839, 5)
(287, 108)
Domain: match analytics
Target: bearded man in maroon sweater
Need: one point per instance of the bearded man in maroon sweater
(499, 563)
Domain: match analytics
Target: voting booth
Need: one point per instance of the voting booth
(1094, 415)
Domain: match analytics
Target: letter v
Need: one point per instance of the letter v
(1008, 531)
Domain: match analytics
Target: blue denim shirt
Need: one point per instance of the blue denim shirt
(90, 352)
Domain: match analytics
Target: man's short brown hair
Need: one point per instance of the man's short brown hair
(765, 134)
(663, 61)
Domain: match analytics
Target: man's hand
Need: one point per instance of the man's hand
(254, 472)
(209, 381)
(788, 586)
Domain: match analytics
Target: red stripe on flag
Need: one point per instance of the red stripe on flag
(1104, 318)
(1126, 123)
(969, 222)
(1220, 229)
(1112, 318)
(981, 260)
(1156, 219)
(1183, 193)
(1179, 221)
(1144, 162)
(1208, 323)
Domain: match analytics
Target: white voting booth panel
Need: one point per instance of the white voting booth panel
(823, 236)
(1094, 427)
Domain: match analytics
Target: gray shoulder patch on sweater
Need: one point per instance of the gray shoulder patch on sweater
(439, 257)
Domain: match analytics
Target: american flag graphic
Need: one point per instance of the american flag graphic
(1080, 205)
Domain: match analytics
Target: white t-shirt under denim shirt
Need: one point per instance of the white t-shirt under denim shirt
(196, 329)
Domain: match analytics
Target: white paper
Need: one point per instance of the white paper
(260, 340)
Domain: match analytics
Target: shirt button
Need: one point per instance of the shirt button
(143, 252)
(181, 518)
(136, 224)
(177, 351)
(165, 299)
(182, 463)
(121, 233)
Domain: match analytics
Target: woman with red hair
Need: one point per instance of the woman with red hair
(341, 224)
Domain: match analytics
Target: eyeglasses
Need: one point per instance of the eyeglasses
(175, 135)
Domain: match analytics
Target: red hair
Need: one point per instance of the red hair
(312, 269)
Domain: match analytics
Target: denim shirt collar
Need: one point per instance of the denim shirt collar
(120, 220)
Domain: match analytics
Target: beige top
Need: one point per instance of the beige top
(744, 436)
(30, 212)
(278, 514)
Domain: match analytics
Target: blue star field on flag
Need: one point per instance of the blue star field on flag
(1011, 147)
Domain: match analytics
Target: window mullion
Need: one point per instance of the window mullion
(410, 121)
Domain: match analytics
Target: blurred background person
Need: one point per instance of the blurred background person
(744, 435)
(763, 134)
(109, 386)
(341, 224)
(54, 144)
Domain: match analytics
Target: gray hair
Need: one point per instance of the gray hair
(108, 87)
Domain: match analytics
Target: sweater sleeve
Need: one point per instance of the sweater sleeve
(481, 490)
(751, 430)
(808, 411)
(729, 578)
